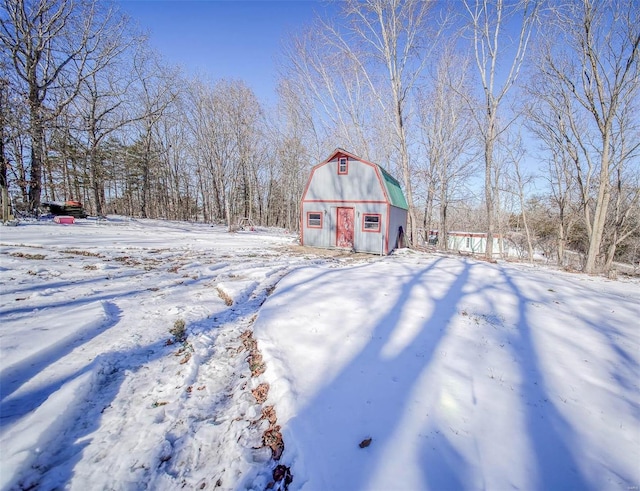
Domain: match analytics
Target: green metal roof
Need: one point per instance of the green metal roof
(393, 190)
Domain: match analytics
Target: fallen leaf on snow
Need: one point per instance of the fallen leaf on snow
(365, 443)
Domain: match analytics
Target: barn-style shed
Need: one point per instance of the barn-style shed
(353, 204)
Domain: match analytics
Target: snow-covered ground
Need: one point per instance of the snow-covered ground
(450, 373)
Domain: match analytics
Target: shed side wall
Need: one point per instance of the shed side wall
(397, 219)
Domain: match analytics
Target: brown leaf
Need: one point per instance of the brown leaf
(365, 443)
(261, 392)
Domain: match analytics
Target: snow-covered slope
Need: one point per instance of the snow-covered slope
(93, 396)
(463, 374)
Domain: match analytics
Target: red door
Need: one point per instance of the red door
(345, 228)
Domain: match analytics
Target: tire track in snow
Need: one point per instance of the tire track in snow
(201, 409)
(225, 424)
(129, 377)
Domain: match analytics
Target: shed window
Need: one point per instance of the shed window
(314, 219)
(468, 242)
(343, 165)
(371, 223)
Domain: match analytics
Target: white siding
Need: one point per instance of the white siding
(477, 244)
(326, 237)
(359, 189)
(313, 236)
(368, 241)
(359, 184)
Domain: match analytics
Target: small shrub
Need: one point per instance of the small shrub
(178, 331)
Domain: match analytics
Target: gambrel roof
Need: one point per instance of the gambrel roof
(394, 191)
(390, 185)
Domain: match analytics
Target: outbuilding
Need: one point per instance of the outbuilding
(476, 243)
(350, 203)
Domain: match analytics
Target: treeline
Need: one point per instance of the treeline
(518, 118)
(90, 113)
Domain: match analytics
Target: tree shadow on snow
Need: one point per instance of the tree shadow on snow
(370, 395)
(626, 369)
(550, 434)
(16, 375)
(66, 439)
(61, 445)
(71, 303)
(444, 467)
(299, 289)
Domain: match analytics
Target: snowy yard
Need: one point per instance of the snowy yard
(450, 373)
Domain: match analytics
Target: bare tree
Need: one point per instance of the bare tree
(53, 47)
(381, 47)
(156, 91)
(207, 154)
(246, 120)
(4, 162)
(226, 121)
(447, 136)
(623, 220)
(392, 34)
(596, 71)
(178, 190)
(103, 107)
(295, 140)
(325, 80)
(495, 49)
(514, 155)
(545, 119)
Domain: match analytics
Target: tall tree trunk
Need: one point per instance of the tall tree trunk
(96, 183)
(37, 151)
(443, 229)
(488, 187)
(428, 211)
(561, 240)
(4, 163)
(406, 170)
(488, 22)
(602, 204)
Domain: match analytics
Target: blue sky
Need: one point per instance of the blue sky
(232, 39)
